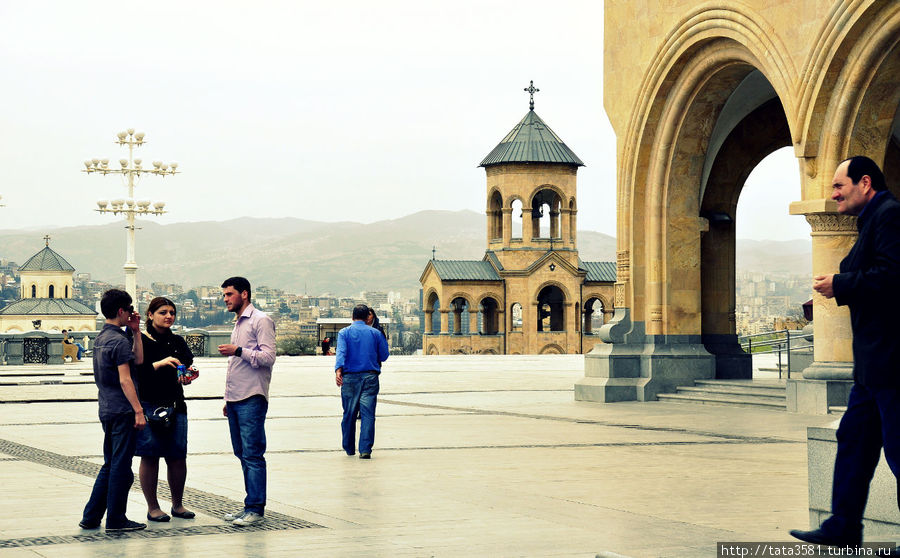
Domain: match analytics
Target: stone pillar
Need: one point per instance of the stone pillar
(473, 321)
(507, 226)
(429, 314)
(828, 380)
(445, 321)
(573, 228)
(527, 225)
(565, 222)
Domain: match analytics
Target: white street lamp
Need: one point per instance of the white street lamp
(131, 171)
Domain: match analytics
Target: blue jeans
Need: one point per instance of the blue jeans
(872, 421)
(359, 394)
(110, 493)
(247, 422)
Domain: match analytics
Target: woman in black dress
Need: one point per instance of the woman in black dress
(160, 386)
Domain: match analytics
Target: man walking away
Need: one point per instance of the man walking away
(867, 283)
(116, 353)
(360, 351)
(252, 354)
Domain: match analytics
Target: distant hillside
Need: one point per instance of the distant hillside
(773, 256)
(292, 254)
(300, 255)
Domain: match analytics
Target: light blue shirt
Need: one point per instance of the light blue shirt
(360, 348)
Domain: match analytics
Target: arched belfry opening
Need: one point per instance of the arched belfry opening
(545, 214)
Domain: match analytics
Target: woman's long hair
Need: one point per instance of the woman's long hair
(155, 305)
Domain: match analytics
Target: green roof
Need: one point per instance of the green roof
(600, 272)
(46, 260)
(531, 141)
(47, 306)
(465, 270)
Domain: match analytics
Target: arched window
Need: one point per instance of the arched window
(495, 216)
(593, 316)
(550, 303)
(490, 323)
(433, 315)
(50, 292)
(34, 291)
(515, 317)
(67, 291)
(545, 209)
(516, 219)
(459, 308)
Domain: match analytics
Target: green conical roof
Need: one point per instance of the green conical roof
(531, 141)
(46, 260)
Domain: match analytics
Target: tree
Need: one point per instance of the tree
(294, 345)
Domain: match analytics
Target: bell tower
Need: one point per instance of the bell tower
(531, 183)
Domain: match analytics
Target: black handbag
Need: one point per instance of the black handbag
(161, 417)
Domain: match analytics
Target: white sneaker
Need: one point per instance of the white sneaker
(233, 516)
(249, 518)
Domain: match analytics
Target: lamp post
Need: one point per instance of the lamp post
(131, 170)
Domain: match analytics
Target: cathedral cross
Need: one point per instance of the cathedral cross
(46, 240)
(531, 90)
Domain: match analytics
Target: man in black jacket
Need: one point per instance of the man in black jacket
(867, 283)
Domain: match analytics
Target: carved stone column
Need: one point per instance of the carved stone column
(832, 237)
(827, 381)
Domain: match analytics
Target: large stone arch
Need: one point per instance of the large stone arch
(654, 342)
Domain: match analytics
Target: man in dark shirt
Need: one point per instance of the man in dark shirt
(116, 353)
(867, 283)
(360, 351)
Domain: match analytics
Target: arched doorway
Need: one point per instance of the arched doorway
(752, 124)
(550, 309)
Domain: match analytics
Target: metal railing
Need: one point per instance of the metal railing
(779, 341)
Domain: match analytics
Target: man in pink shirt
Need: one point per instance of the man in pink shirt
(251, 356)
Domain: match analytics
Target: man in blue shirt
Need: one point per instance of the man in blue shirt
(360, 351)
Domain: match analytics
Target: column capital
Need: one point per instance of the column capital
(831, 223)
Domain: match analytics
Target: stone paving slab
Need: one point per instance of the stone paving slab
(474, 456)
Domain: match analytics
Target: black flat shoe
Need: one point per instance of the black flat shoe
(160, 519)
(183, 515)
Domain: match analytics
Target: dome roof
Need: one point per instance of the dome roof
(46, 260)
(531, 141)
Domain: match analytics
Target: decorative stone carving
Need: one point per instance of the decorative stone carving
(831, 223)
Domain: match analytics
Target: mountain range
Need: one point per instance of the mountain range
(314, 257)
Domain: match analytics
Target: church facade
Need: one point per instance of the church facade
(531, 293)
(47, 302)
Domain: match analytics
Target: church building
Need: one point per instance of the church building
(531, 293)
(46, 302)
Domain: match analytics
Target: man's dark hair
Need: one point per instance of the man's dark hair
(240, 284)
(112, 300)
(860, 166)
(360, 312)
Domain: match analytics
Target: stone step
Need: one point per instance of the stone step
(775, 385)
(750, 391)
(837, 409)
(722, 399)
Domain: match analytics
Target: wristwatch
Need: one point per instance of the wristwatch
(238, 351)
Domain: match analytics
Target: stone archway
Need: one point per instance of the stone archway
(756, 135)
(681, 120)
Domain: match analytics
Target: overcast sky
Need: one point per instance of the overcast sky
(340, 110)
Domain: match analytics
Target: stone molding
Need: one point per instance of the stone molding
(831, 223)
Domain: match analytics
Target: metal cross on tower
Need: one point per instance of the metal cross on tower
(531, 90)
(46, 240)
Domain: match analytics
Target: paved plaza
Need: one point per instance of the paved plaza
(474, 456)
